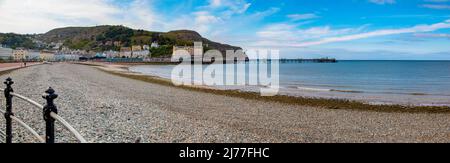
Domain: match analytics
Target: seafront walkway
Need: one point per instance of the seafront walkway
(10, 66)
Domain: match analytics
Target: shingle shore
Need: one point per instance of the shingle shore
(106, 108)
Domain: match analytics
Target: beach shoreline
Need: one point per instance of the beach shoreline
(108, 106)
(316, 80)
(329, 103)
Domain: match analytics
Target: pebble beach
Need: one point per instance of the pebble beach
(106, 108)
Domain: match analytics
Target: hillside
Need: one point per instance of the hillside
(103, 38)
(71, 33)
(15, 40)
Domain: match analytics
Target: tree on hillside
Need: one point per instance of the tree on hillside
(162, 51)
(15, 40)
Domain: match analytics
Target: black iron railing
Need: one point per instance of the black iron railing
(50, 112)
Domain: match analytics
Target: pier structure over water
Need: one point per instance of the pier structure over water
(320, 60)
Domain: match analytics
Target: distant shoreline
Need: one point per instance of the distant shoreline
(122, 70)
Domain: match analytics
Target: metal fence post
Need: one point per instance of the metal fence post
(49, 120)
(8, 112)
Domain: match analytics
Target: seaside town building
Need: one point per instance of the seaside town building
(125, 52)
(33, 55)
(140, 52)
(19, 54)
(78, 52)
(65, 55)
(154, 45)
(46, 55)
(65, 49)
(5, 53)
(196, 51)
(117, 43)
(178, 50)
(146, 47)
(56, 46)
(100, 55)
(112, 54)
(136, 48)
(90, 54)
(108, 43)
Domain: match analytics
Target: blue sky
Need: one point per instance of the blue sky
(345, 29)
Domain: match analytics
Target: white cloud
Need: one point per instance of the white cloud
(437, 1)
(289, 35)
(432, 35)
(377, 33)
(296, 17)
(215, 3)
(382, 2)
(140, 14)
(30, 16)
(204, 21)
(213, 17)
(268, 12)
(437, 6)
(284, 34)
(227, 8)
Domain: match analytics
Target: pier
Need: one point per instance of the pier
(320, 60)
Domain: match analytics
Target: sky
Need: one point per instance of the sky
(343, 29)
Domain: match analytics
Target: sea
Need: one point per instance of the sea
(423, 83)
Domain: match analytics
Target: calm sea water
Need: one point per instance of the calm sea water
(405, 82)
